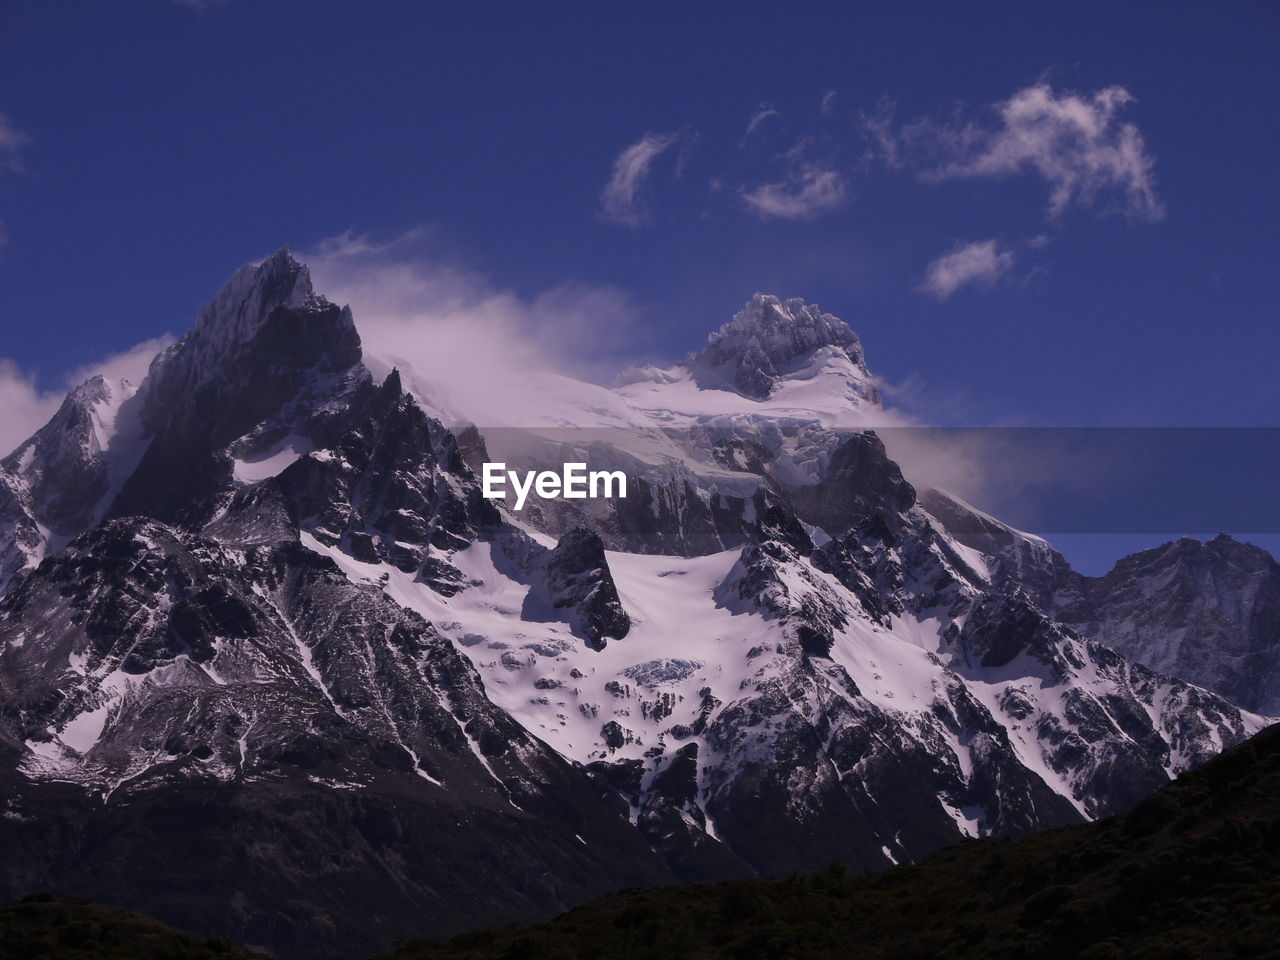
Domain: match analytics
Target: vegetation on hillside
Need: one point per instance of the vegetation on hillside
(40, 927)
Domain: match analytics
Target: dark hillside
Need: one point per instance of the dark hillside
(1192, 872)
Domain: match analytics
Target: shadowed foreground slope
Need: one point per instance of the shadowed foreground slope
(39, 927)
(1192, 872)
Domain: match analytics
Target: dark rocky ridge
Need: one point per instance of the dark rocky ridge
(1208, 612)
(67, 472)
(266, 359)
(268, 699)
(575, 581)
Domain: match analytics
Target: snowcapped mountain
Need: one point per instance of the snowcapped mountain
(775, 358)
(264, 642)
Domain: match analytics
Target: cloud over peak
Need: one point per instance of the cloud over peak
(468, 346)
(28, 407)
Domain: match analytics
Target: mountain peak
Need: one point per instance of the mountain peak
(252, 293)
(1222, 548)
(92, 389)
(84, 423)
(266, 359)
(764, 340)
(236, 315)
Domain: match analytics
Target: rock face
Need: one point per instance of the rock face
(264, 644)
(267, 363)
(1209, 612)
(577, 587)
(192, 642)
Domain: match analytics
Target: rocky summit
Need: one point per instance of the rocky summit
(272, 667)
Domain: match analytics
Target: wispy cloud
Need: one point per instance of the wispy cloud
(26, 407)
(806, 194)
(1078, 144)
(763, 113)
(882, 136)
(12, 142)
(828, 103)
(979, 264)
(621, 201)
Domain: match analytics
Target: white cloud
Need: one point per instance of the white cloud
(804, 195)
(12, 142)
(1078, 144)
(878, 129)
(470, 348)
(828, 103)
(980, 264)
(620, 201)
(763, 113)
(128, 365)
(27, 407)
(478, 352)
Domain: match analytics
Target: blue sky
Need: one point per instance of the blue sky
(1100, 176)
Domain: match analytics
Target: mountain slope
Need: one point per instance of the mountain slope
(1208, 612)
(1190, 872)
(1216, 619)
(60, 480)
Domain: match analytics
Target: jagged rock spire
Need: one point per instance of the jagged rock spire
(264, 359)
(238, 312)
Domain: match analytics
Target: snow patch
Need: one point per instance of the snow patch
(272, 463)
